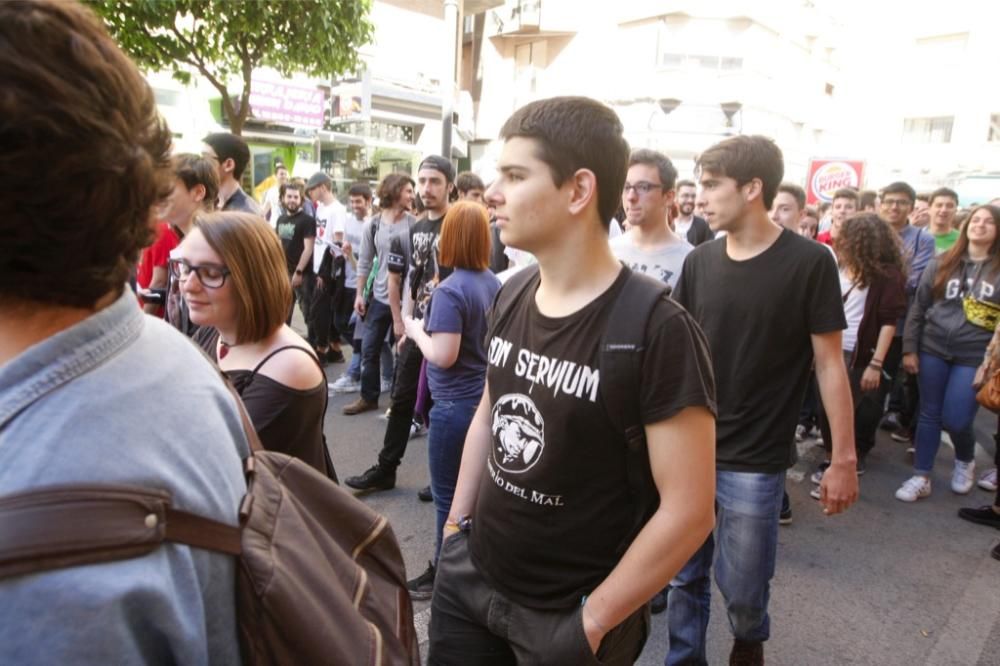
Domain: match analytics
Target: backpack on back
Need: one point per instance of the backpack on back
(320, 577)
(620, 362)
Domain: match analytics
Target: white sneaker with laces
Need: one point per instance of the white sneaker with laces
(916, 487)
(345, 384)
(964, 477)
(988, 481)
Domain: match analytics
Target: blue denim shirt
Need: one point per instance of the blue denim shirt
(123, 398)
(918, 249)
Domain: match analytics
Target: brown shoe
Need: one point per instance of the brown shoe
(359, 406)
(746, 653)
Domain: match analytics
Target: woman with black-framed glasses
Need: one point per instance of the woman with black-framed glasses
(231, 271)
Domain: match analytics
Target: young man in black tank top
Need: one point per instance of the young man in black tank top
(539, 564)
(768, 301)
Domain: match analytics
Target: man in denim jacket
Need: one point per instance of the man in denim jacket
(91, 390)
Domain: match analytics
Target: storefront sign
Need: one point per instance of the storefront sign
(285, 103)
(828, 176)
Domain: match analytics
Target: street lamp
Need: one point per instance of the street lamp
(731, 109)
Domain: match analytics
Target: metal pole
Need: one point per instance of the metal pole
(448, 76)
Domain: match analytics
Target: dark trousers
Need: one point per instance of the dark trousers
(808, 415)
(905, 395)
(472, 623)
(404, 399)
(320, 316)
(343, 308)
(378, 322)
(867, 411)
(303, 295)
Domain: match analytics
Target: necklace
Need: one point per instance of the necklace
(224, 348)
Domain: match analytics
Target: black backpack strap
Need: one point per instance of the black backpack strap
(622, 352)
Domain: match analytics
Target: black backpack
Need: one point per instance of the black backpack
(623, 346)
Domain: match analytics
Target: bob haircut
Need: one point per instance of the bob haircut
(465, 237)
(252, 252)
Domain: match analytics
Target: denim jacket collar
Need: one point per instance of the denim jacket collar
(59, 359)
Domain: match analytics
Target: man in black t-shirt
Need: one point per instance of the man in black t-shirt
(412, 276)
(768, 301)
(297, 232)
(687, 225)
(538, 563)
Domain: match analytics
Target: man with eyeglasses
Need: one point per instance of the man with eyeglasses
(650, 246)
(688, 224)
(918, 249)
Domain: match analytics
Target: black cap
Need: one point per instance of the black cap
(441, 164)
(317, 179)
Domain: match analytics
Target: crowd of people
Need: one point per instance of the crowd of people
(733, 319)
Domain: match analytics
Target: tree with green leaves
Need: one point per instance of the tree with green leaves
(225, 39)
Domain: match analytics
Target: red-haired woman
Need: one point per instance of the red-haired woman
(452, 339)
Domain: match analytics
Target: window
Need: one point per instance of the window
(940, 51)
(166, 97)
(928, 130)
(704, 62)
(671, 60)
(994, 134)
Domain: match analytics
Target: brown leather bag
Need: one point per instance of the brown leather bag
(320, 580)
(988, 394)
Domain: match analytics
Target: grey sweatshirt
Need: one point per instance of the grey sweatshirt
(939, 326)
(380, 249)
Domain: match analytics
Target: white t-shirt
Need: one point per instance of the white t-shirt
(272, 196)
(682, 228)
(854, 310)
(663, 263)
(353, 228)
(329, 220)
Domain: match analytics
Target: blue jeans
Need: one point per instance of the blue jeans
(378, 321)
(947, 401)
(450, 421)
(354, 368)
(746, 529)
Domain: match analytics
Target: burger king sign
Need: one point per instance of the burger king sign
(828, 176)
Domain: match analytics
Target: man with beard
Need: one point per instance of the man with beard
(688, 225)
(297, 232)
(435, 183)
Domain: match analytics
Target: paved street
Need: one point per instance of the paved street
(888, 583)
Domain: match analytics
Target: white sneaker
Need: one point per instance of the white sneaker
(988, 481)
(916, 487)
(417, 429)
(964, 477)
(345, 384)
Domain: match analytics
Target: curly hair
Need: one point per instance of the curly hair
(74, 106)
(867, 247)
